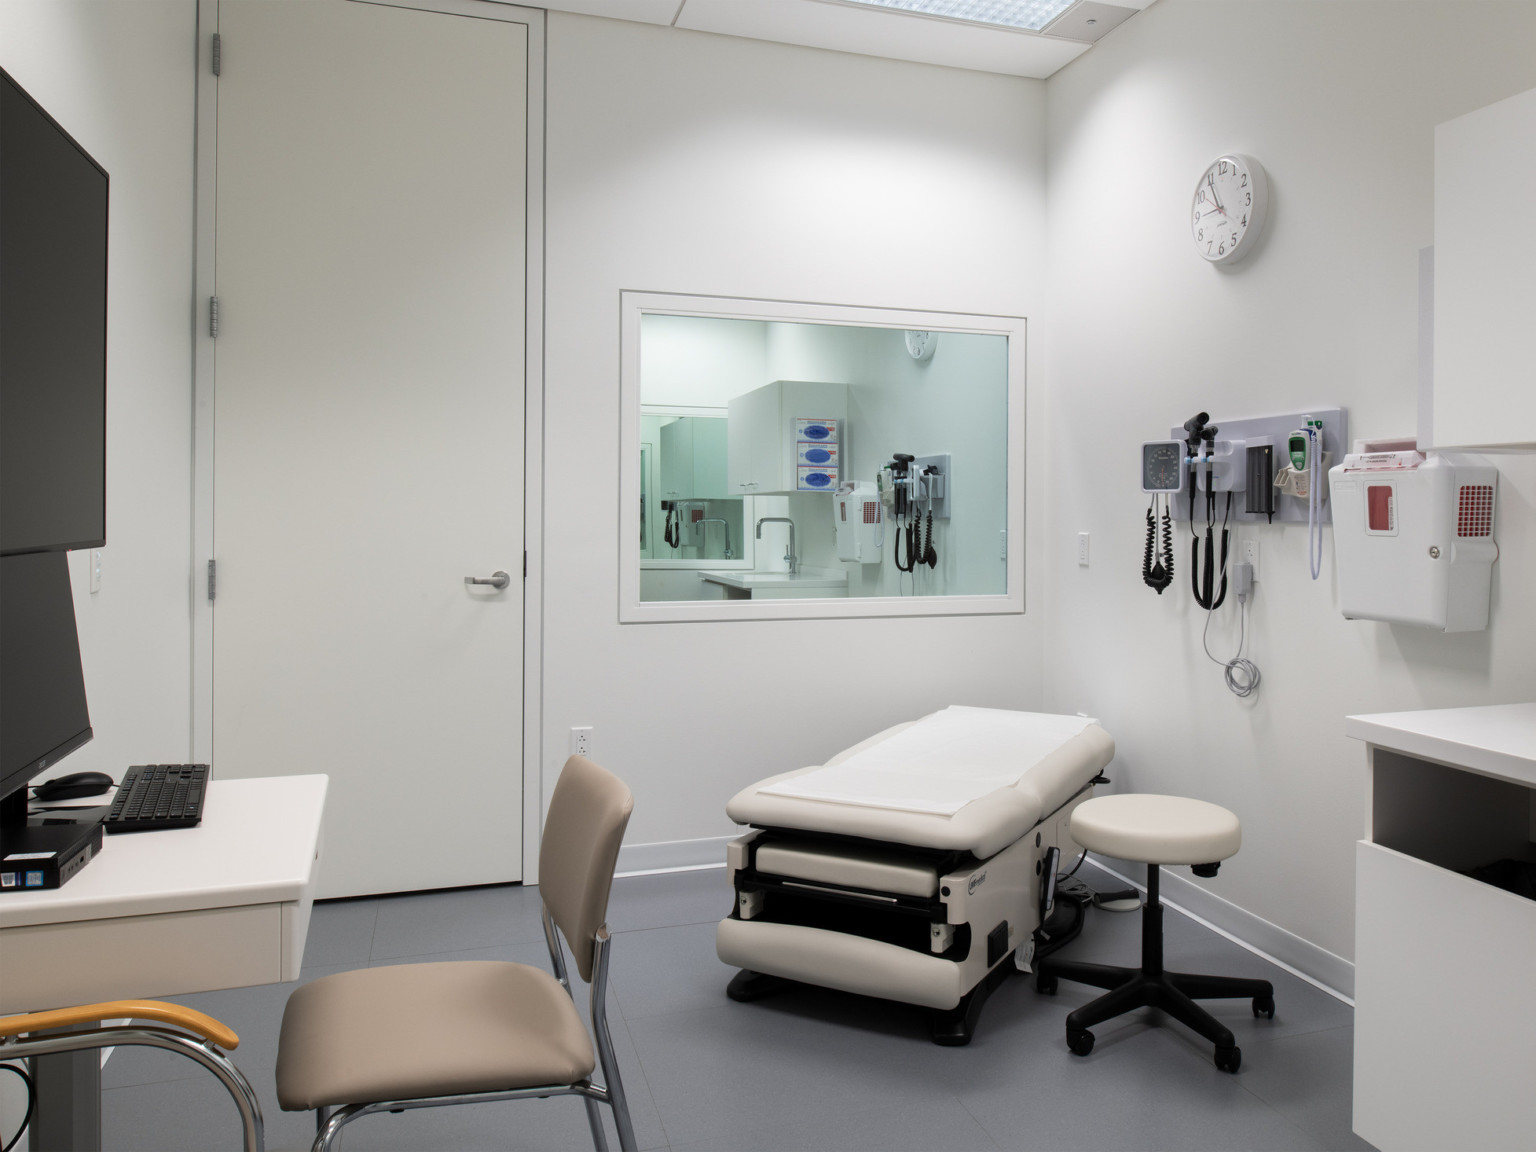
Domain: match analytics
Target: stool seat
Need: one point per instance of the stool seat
(1157, 829)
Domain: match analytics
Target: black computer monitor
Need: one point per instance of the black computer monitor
(53, 333)
(43, 715)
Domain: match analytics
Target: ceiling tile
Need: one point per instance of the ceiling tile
(875, 32)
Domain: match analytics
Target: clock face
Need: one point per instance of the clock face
(1228, 208)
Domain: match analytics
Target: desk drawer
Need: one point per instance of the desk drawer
(83, 961)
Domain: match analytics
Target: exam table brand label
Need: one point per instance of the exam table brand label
(976, 881)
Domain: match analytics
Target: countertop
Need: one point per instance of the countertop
(1497, 740)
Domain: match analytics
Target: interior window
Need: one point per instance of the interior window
(809, 460)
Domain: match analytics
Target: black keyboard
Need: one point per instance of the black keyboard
(155, 796)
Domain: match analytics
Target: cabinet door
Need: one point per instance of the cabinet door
(709, 451)
(677, 460)
(1485, 246)
(754, 442)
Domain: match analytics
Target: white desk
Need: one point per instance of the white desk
(1445, 1008)
(222, 905)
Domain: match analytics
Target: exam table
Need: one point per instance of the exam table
(913, 866)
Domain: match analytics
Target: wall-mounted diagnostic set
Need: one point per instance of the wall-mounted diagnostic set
(915, 490)
(1255, 470)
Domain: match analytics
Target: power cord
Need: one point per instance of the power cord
(1241, 674)
(31, 1103)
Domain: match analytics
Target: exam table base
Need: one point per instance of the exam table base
(1150, 986)
(952, 1028)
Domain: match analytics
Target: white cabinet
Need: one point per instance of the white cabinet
(763, 453)
(1484, 389)
(693, 459)
(1445, 1010)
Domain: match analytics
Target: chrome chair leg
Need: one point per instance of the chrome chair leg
(595, 1123)
(606, 1056)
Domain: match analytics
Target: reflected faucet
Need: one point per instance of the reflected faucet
(704, 537)
(789, 553)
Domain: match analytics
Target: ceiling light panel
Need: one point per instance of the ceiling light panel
(1032, 15)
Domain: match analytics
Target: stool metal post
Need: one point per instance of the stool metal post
(1152, 925)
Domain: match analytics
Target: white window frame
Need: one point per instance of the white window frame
(632, 610)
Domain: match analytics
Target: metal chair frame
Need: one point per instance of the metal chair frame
(149, 1036)
(328, 1125)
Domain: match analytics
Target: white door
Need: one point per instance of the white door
(368, 443)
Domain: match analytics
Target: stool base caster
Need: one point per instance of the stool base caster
(1229, 1059)
(1080, 1041)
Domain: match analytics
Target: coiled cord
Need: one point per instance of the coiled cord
(1241, 674)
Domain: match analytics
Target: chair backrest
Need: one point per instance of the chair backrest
(587, 817)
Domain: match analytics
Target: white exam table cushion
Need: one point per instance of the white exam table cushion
(983, 825)
(941, 763)
(838, 960)
(849, 867)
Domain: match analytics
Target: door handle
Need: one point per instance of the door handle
(497, 580)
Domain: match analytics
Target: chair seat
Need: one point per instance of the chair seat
(417, 1030)
(1157, 829)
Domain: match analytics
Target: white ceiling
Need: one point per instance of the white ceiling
(846, 27)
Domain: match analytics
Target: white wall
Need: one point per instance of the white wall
(686, 162)
(694, 361)
(120, 78)
(1339, 102)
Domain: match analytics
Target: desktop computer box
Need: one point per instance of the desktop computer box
(47, 855)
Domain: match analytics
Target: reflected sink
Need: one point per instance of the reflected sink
(740, 584)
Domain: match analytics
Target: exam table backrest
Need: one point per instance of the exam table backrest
(587, 817)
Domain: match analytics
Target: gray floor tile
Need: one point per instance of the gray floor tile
(668, 970)
(424, 923)
(667, 899)
(810, 1069)
(1306, 1078)
(341, 932)
(760, 1076)
(1138, 1090)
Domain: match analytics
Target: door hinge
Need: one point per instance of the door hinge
(212, 579)
(213, 317)
(218, 54)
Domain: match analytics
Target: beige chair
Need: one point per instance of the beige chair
(194, 1035)
(466, 1032)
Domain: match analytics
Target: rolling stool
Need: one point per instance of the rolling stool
(1159, 830)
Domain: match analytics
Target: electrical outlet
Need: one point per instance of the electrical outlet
(95, 570)
(1082, 549)
(581, 742)
(1251, 555)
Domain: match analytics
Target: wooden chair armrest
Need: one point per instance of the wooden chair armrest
(189, 1018)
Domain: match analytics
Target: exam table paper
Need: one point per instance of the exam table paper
(941, 763)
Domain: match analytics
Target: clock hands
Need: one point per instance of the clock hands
(1213, 200)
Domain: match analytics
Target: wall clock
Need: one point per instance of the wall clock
(920, 345)
(1228, 208)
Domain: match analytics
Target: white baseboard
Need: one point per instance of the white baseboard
(1316, 965)
(672, 856)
